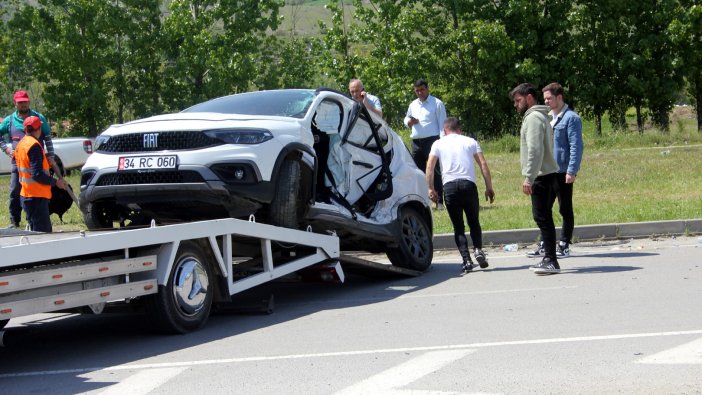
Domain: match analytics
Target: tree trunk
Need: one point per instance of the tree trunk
(698, 104)
(639, 119)
(598, 124)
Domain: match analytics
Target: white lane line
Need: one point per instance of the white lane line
(143, 382)
(358, 352)
(405, 373)
(689, 353)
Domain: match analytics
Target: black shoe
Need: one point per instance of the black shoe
(562, 249)
(538, 252)
(467, 265)
(480, 257)
(547, 266)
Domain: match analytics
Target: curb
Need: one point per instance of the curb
(584, 232)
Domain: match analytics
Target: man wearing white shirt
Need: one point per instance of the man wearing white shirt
(358, 93)
(457, 155)
(426, 116)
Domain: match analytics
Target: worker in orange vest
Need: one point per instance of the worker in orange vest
(33, 168)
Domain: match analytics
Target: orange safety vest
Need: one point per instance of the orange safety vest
(30, 188)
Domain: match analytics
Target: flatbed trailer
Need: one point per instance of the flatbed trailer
(175, 273)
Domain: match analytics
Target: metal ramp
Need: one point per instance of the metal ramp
(354, 264)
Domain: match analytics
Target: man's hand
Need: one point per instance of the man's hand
(61, 183)
(569, 178)
(490, 195)
(52, 161)
(433, 195)
(526, 187)
(413, 121)
(9, 151)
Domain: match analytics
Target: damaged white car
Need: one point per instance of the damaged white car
(293, 158)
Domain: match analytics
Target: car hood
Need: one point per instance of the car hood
(202, 121)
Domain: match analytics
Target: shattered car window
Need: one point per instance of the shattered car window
(288, 103)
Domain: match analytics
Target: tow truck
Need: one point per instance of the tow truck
(173, 273)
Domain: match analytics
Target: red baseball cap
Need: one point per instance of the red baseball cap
(32, 121)
(21, 96)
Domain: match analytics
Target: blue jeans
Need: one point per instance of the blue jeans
(38, 216)
(461, 196)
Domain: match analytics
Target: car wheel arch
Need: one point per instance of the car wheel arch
(295, 151)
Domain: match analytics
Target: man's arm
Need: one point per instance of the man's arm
(489, 192)
(429, 175)
(36, 158)
(373, 104)
(409, 119)
(5, 130)
(575, 140)
(440, 116)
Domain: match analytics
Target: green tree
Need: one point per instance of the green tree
(135, 76)
(686, 32)
(211, 47)
(69, 50)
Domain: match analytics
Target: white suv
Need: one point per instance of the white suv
(292, 157)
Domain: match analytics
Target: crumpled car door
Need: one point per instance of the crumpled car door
(367, 168)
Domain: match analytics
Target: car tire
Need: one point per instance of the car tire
(96, 218)
(184, 303)
(285, 207)
(3, 323)
(416, 248)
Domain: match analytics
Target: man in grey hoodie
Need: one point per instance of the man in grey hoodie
(539, 169)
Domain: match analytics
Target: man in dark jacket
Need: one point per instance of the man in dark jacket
(34, 178)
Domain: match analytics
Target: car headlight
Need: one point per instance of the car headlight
(240, 136)
(99, 141)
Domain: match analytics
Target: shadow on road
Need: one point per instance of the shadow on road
(69, 347)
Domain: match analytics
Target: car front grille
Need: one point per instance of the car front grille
(145, 142)
(157, 177)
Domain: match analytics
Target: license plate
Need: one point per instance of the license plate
(161, 162)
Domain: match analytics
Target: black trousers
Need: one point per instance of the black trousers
(14, 201)
(543, 195)
(462, 197)
(565, 207)
(38, 216)
(420, 154)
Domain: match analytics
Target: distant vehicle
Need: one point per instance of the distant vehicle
(293, 157)
(71, 153)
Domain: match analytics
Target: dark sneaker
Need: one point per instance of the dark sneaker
(538, 252)
(480, 257)
(562, 249)
(547, 266)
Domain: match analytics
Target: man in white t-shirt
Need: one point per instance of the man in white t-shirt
(456, 155)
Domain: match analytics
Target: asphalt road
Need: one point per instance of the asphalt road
(622, 317)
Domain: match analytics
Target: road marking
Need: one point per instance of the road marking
(389, 381)
(358, 352)
(689, 353)
(143, 382)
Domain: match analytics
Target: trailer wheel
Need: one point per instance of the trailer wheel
(3, 323)
(416, 248)
(184, 303)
